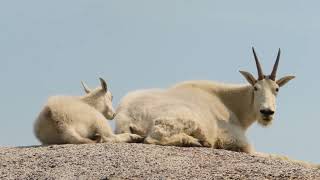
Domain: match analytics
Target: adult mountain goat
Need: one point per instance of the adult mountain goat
(202, 113)
(77, 120)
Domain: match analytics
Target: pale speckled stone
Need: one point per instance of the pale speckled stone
(141, 161)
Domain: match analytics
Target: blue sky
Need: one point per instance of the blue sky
(48, 47)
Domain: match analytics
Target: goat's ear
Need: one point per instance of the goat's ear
(282, 81)
(85, 87)
(249, 77)
(103, 84)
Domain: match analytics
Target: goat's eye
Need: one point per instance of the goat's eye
(277, 89)
(255, 88)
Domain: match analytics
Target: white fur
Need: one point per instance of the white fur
(194, 113)
(199, 113)
(67, 119)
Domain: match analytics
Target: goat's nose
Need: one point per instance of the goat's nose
(266, 112)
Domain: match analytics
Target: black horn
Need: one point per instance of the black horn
(275, 67)
(260, 73)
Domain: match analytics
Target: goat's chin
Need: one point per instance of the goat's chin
(264, 123)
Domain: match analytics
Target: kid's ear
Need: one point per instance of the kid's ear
(282, 81)
(249, 77)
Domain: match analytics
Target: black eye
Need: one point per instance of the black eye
(255, 88)
(277, 89)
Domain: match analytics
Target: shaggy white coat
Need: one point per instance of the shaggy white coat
(76, 120)
(194, 113)
(197, 113)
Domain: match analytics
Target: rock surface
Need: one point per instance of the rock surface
(141, 161)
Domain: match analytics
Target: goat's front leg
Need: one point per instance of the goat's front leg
(234, 140)
(248, 148)
(237, 147)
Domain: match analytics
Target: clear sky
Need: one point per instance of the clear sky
(48, 47)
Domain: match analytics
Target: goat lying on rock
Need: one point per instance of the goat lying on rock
(203, 113)
(77, 120)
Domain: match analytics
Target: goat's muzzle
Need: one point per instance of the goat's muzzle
(267, 114)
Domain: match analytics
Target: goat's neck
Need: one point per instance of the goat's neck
(238, 99)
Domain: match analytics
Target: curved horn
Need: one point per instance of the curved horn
(103, 84)
(260, 73)
(275, 67)
(85, 87)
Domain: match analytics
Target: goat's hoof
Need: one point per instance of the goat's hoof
(136, 138)
(206, 144)
(196, 144)
(97, 139)
(191, 143)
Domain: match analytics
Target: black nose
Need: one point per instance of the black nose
(267, 112)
